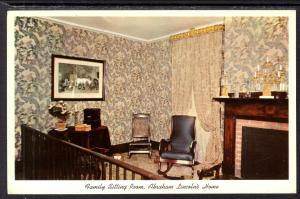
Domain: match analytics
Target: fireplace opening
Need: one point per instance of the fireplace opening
(264, 154)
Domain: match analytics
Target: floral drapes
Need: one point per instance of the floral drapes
(196, 71)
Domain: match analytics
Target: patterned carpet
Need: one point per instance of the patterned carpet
(143, 161)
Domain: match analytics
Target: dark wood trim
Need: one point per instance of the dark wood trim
(19, 169)
(247, 100)
(119, 148)
(155, 144)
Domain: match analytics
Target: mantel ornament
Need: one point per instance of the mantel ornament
(269, 75)
(224, 85)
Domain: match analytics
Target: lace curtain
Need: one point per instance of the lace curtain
(196, 71)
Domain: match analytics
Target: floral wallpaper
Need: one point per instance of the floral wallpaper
(249, 41)
(137, 77)
(137, 74)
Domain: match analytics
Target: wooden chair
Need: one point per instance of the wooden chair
(141, 142)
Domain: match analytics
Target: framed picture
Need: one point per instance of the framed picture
(76, 78)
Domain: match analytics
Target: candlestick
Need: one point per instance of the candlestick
(265, 71)
(258, 67)
(76, 118)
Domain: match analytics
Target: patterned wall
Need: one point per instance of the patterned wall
(137, 77)
(248, 41)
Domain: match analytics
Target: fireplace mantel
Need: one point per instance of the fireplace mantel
(247, 108)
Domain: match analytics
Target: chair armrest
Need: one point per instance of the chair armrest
(163, 145)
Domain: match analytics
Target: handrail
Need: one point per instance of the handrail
(65, 160)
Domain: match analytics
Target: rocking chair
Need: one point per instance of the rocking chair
(180, 148)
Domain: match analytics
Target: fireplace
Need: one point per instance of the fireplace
(269, 114)
(264, 154)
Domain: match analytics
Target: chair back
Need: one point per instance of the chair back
(141, 125)
(183, 133)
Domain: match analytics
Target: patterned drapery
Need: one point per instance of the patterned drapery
(196, 72)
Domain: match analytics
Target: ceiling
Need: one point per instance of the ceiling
(143, 28)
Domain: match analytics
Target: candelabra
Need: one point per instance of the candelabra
(268, 76)
(282, 78)
(76, 115)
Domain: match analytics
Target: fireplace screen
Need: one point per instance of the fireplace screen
(264, 154)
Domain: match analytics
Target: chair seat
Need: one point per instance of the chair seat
(177, 156)
(140, 143)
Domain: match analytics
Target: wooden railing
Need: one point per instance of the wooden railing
(47, 158)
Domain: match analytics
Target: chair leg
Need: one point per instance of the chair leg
(169, 166)
(193, 171)
(200, 174)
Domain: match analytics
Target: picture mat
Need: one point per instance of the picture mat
(57, 61)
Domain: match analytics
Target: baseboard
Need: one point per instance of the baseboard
(155, 144)
(18, 170)
(123, 148)
(119, 148)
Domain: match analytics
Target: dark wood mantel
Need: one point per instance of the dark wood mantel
(247, 108)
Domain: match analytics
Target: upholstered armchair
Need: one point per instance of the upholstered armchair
(180, 148)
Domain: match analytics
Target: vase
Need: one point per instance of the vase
(60, 125)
